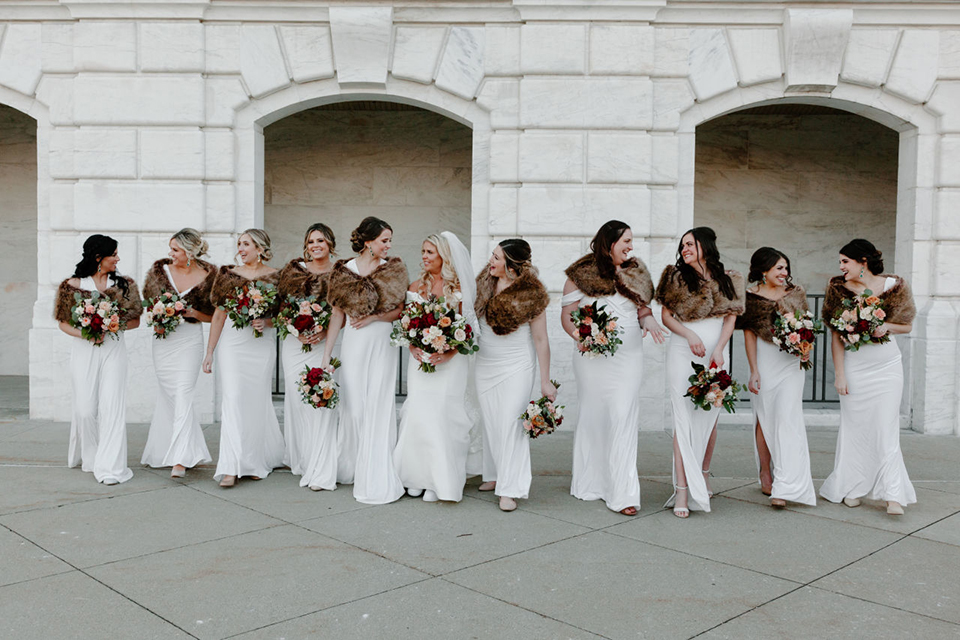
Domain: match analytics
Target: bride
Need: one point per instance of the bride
(431, 453)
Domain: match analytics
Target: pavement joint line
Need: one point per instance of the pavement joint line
(98, 581)
(743, 613)
(83, 501)
(522, 608)
(883, 604)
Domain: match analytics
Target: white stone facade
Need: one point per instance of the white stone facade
(150, 117)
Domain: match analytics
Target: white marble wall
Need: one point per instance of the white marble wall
(804, 184)
(18, 240)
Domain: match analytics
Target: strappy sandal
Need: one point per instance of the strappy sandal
(681, 512)
(706, 476)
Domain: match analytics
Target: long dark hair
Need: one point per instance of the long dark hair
(369, 229)
(863, 250)
(96, 248)
(602, 244)
(707, 239)
(764, 259)
(516, 255)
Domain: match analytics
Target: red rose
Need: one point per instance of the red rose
(584, 330)
(724, 379)
(863, 326)
(429, 319)
(314, 376)
(96, 323)
(303, 323)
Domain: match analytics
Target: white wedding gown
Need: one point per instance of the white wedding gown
(98, 430)
(505, 374)
(250, 440)
(368, 418)
(869, 463)
(779, 410)
(434, 436)
(175, 436)
(605, 441)
(691, 426)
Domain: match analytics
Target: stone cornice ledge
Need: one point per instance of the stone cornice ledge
(117, 9)
(596, 10)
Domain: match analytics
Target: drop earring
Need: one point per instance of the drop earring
(763, 279)
(188, 262)
(861, 272)
(98, 267)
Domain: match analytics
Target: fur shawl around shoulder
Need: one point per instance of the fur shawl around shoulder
(520, 302)
(384, 289)
(157, 281)
(226, 283)
(298, 282)
(897, 300)
(759, 314)
(130, 304)
(707, 302)
(633, 281)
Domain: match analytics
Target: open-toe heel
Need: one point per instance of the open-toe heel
(706, 481)
(680, 512)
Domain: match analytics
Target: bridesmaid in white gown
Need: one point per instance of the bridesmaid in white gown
(605, 442)
(98, 431)
(175, 438)
(434, 440)
(776, 380)
(701, 302)
(251, 444)
(511, 305)
(367, 295)
(869, 463)
(310, 434)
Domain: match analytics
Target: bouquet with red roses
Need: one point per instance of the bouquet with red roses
(302, 316)
(712, 387)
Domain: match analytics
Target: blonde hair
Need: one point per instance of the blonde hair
(262, 242)
(327, 235)
(191, 242)
(451, 283)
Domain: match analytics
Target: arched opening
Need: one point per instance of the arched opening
(18, 252)
(804, 179)
(338, 163)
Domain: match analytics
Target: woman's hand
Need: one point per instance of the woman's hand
(881, 331)
(360, 323)
(696, 345)
(716, 359)
(260, 323)
(207, 365)
(547, 389)
(754, 384)
(651, 326)
(840, 384)
(442, 358)
(191, 313)
(312, 337)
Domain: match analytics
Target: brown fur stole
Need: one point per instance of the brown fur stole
(898, 300)
(156, 282)
(707, 302)
(130, 305)
(300, 283)
(760, 312)
(226, 283)
(520, 302)
(633, 281)
(384, 289)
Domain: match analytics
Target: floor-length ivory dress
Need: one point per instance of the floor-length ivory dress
(250, 440)
(368, 418)
(869, 462)
(434, 435)
(175, 436)
(691, 426)
(505, 374)
(779, 410)
(605, 441)
(98, 430)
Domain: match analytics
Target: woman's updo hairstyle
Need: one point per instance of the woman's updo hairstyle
(764, 259)
(96, 248)
(602, 244)
(191, 242)
(863, 251)
(368, 230)
(327, 235)
(516, 256)
(262, 242)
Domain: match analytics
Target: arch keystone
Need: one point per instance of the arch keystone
(361, 43)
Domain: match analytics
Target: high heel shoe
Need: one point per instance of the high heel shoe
(706, 481)
(488, 486)
(680, 512)
(852, 502)
(178, 471)
(507, 504)
(430, 496)
(414, 493)
(228, 481)
(779, 503)
(894, 508)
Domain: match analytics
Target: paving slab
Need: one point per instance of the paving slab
(440, 537)
(932, 506)
(431, 610)
(913, 574)
(27, 488)
(280, 495)
(127, 526)
(622, 588)
(75, 606)
(22, 560)
(775, 542)
(222, 588)
(947, 530)
(815, 614)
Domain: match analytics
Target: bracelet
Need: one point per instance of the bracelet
(643, 312)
